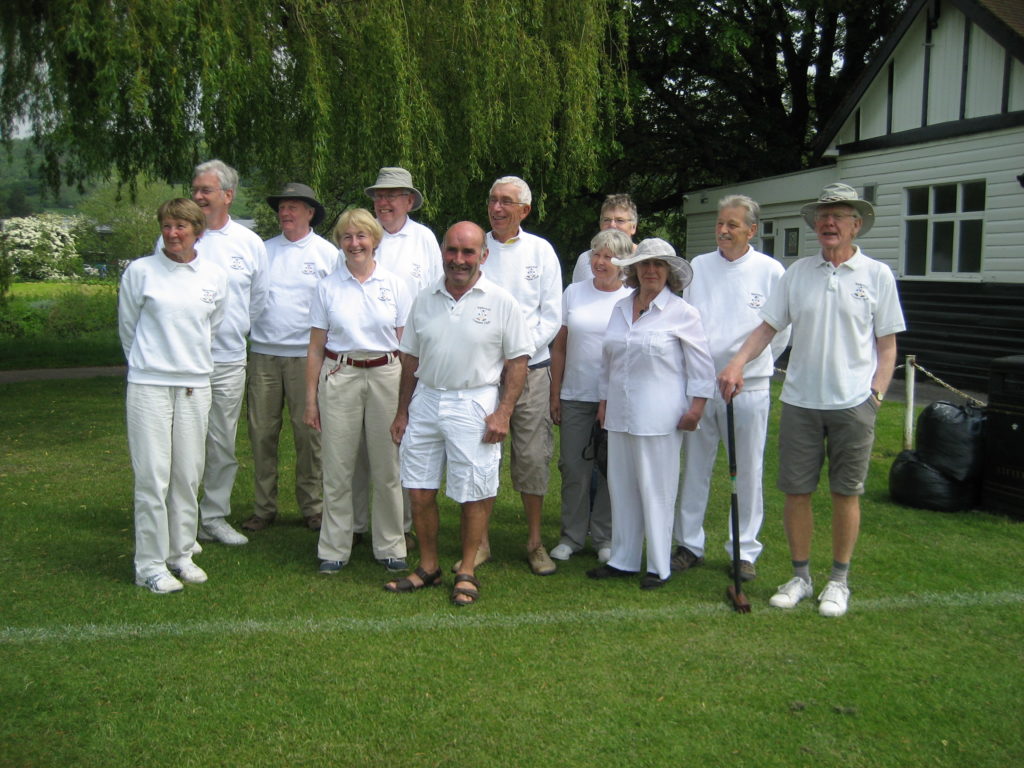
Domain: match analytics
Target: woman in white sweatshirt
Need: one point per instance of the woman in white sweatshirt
(169, 306)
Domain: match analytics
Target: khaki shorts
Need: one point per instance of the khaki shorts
(807, 435)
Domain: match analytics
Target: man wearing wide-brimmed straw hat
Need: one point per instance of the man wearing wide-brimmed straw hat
(410, 250)
(845, 315)
(298, 259)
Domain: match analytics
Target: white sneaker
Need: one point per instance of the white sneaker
(160, 583)
(604, 554)
(561, 552)
(189, 572)
(197, 548)
(791, 593)
(833, 599)
(220, 530)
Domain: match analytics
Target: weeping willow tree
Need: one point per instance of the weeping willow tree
(322, 91)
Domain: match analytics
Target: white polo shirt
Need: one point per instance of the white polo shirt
(585, 313)
(464, 344)
(413, 254)
(729, 296)
(527, 267)
(240, 253)
(282, 329)
(836, 314)
(650, 368)
(360, 317)
(582, 270)
(167, 316)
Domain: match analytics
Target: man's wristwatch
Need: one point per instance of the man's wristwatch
(879, 396)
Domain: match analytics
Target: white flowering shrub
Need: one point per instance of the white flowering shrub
(40, 247)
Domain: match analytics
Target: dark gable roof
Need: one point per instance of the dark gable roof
(1002, 19)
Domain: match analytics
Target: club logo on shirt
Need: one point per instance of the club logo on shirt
(416, 272)
(860, 292)
(208, 295)
(385, 295)
(309, 268)
(483, 315)
(756, 300)
(532, 273)
(237, 262)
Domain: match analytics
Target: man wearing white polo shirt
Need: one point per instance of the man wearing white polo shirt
(460, 339)
(298, 259)
(239, 252)
(617, 212)
(409, 250)
(526, 266)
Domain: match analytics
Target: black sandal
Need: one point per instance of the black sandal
(473, 593)
(405, 584)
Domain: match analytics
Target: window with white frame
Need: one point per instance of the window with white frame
(768, 237)
(943, 227)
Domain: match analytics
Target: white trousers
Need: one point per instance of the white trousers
(643, 476)
(166, 431)
(357, 405)
(227, 386)
(750, 412)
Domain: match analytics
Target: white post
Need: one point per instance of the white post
(909, 372)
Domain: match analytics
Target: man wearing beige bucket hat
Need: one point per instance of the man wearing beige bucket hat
(410, 250)
(845, 314)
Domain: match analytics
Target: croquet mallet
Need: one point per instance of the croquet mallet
(735, 592)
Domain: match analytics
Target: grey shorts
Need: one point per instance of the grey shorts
(807, 435)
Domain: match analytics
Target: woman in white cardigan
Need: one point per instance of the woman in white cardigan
(169, 307)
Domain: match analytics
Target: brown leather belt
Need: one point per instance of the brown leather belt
(373, 362)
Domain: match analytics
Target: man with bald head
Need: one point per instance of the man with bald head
(463, 334)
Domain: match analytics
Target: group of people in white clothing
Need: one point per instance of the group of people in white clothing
(405, 365)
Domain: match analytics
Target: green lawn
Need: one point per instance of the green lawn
(271, 664)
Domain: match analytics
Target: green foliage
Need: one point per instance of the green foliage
(40, 247)
(115, 228)
(63, 311)
(458, 91)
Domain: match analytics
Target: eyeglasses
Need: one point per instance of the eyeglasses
(834, 216)
(389, 196)
(616, 221)
(502, 202)
(205, 190)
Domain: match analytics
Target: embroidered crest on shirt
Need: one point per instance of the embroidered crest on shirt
(237, 262)
(309, 268)
(756, 300)
(416, 272)
(483, 315)
(208, 295)
(532, 273)
(385, 295)
(860, 292)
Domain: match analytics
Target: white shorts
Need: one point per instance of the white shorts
(448, 426)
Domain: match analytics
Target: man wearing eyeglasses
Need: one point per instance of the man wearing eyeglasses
(617, 212)
(526, 266)
(239, 252)
(410, 250)
(845, 314)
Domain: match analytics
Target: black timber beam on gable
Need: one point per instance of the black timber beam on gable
(935, 132)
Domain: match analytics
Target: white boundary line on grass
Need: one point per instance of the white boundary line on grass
(447, 620)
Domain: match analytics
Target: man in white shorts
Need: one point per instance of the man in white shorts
(461, 338)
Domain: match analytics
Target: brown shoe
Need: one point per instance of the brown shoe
(684, 559)
(540, 563)
(257, 523)
(747, 570)
(313, 522)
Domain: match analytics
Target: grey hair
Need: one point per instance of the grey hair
(614, 240)
(676, 283)
(620, 201)
(226, 175)
(525, 195)
(746, 203)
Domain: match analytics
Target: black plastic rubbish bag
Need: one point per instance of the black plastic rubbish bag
(914, 482)
(951, 438)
